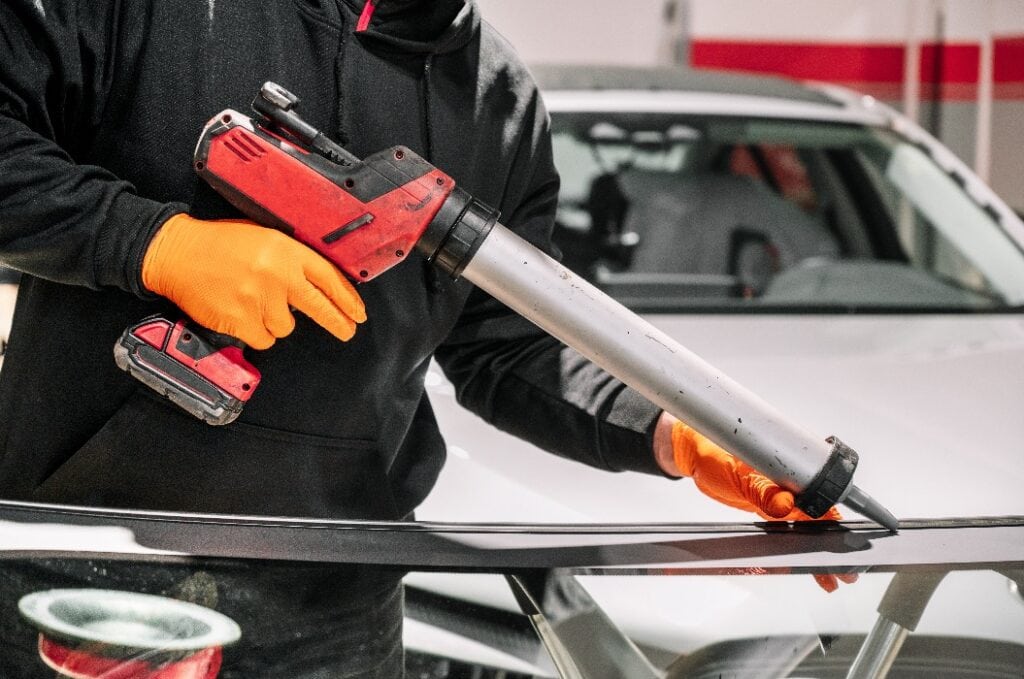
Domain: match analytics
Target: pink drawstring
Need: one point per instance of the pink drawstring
(364, 18)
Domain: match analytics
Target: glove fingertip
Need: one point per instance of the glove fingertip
(253, 335)
(349, 302)
(832, 515)
(779, 504)
(260, 343)
(826, 581)
(344, 329)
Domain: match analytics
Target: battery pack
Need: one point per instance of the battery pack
(197, 370)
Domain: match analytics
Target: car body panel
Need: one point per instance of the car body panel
(913, 394)
(623, 101)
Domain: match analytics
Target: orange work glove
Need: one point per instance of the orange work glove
(722, 477)
(241, 279)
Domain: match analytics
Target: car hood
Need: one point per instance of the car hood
(933, 404)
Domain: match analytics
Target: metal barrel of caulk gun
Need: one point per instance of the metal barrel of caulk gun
(818, 471)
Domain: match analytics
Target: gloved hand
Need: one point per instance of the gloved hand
(722, 477)
(241, 279)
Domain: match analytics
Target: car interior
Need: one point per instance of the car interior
(664, 214)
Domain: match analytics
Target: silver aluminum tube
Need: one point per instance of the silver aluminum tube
(879, 650)
(671, 376)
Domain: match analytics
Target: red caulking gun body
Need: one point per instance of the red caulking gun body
(365, 216)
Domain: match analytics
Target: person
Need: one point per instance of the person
(101, 104)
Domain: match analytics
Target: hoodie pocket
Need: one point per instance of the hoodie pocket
(150, 456)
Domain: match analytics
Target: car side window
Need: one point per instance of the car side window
(923, 234)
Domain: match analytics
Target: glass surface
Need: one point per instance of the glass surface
(747, 624)
(669, 212)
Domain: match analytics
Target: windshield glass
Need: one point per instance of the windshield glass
(668, 212)
(186, 621)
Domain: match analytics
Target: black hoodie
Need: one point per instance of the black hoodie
(100, 107)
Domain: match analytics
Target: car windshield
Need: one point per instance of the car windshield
(671, 212)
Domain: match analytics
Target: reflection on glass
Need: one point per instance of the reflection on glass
(917, 621)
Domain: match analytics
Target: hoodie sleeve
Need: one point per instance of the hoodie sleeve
(60, 219)
(520, 379)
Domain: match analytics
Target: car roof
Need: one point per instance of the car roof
(579, 88)
(574, 77)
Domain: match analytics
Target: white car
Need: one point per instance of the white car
(822, 250)
(813, 244)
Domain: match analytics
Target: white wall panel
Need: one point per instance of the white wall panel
(801, 20)
(1008, 17)
(580, 31)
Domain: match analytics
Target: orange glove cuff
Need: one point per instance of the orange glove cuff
(684, 447)
(153, 262)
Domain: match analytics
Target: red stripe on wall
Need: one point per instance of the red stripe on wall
(948, 72)
(804, 61)
(1008, 66)
(950, 63)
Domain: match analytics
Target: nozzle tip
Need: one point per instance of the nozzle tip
(865, 505)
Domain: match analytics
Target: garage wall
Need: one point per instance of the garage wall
(581, 31)
(957, 66)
